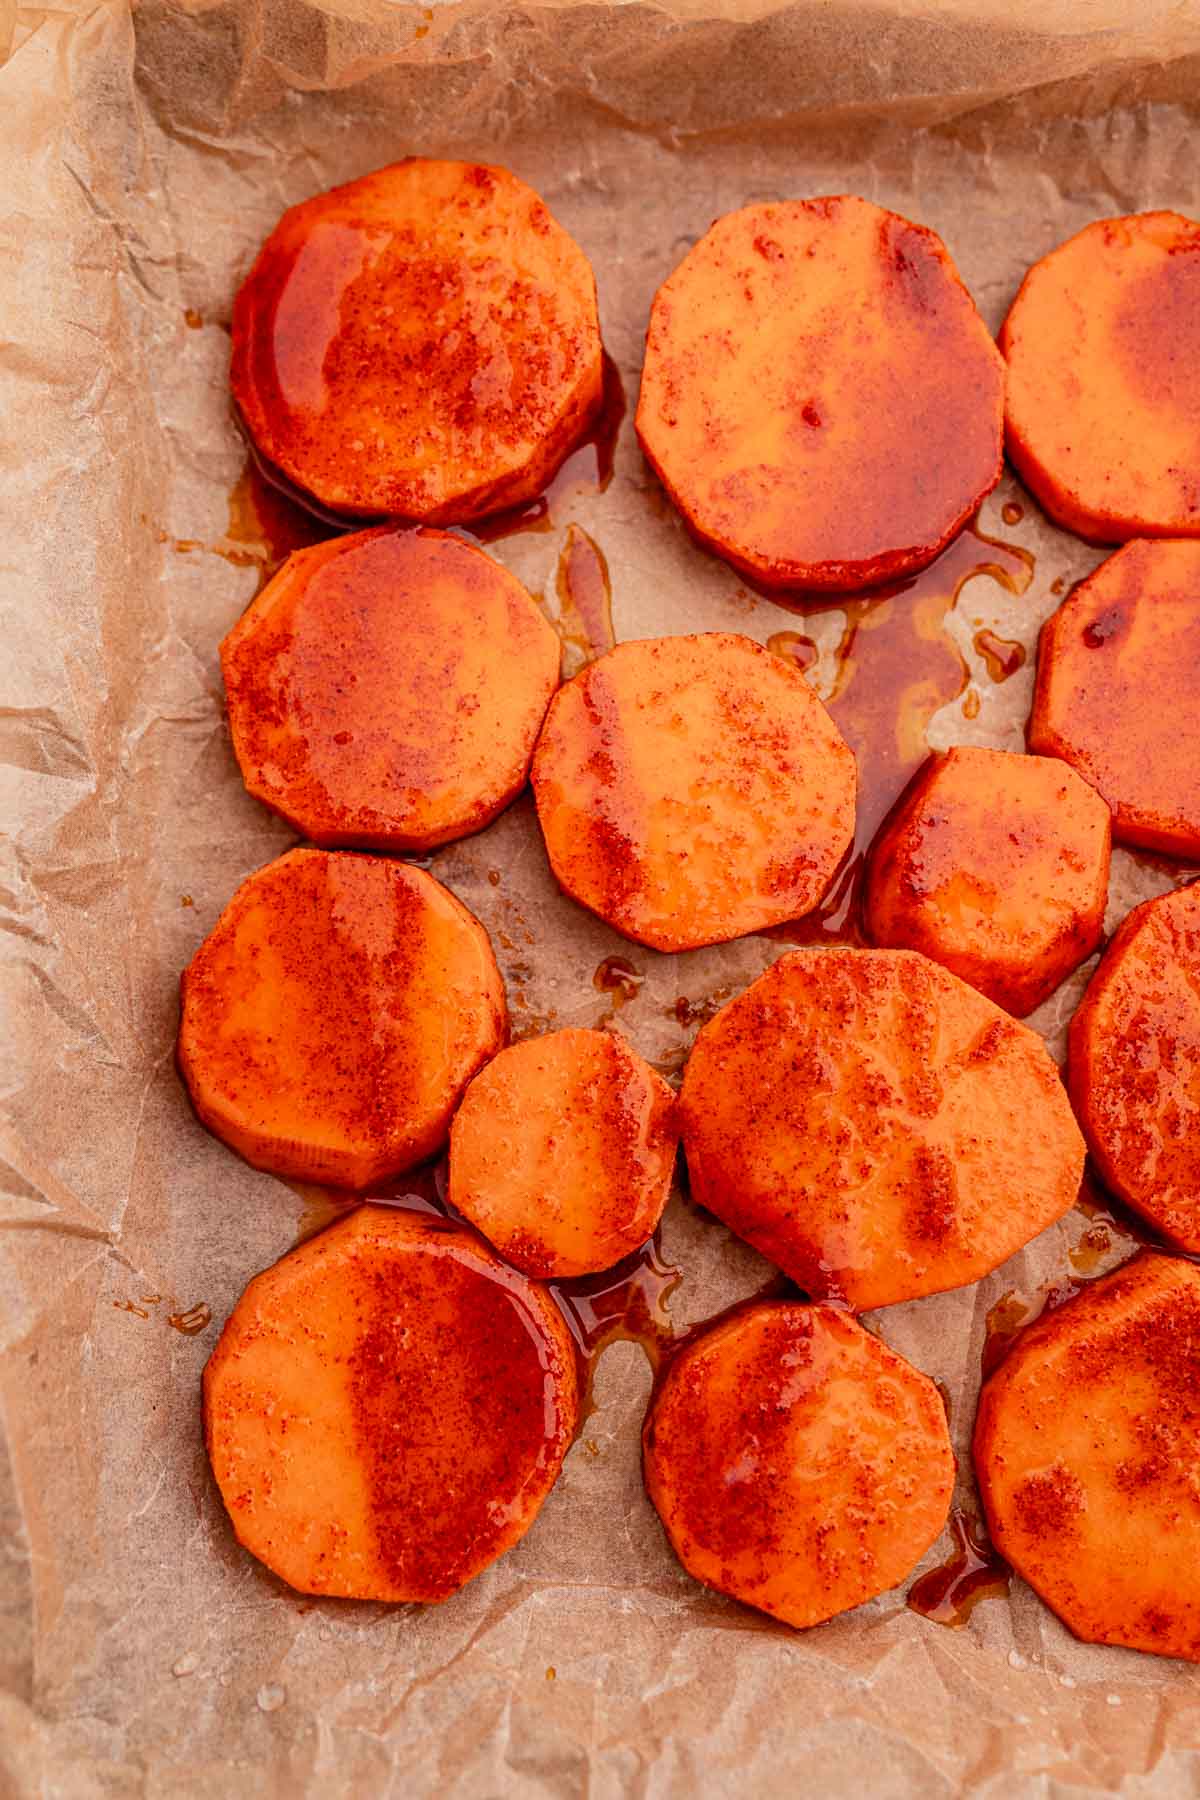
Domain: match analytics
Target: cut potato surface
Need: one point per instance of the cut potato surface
(996, 866)
(386, 689)
(1087, 1446)
(820, 398)
(422, 342)
(796, 1462)
(334, 1015)
(562, 1152)
(875, 1127)
(1118, 692)
(692, 789)
(1103, 408)
(1135, 1064)
(387, 1408)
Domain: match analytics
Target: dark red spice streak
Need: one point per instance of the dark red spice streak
(461, 1402)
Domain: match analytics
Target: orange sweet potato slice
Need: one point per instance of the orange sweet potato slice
(334, 1015)
(1103, 411)
(562, 1152)
(692, 789)
(386, 689)
(1118, 692)
(875, 1127)
(1087, 1444)
(387, 1409)
(820, 398)
(796, 1462)
(1135, 1064)
(996, 866)
(422, 342)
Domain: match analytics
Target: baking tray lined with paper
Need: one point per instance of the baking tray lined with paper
(141, 1650)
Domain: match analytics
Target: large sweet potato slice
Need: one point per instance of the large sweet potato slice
(1087, 1446)
(876, 1127)
(796, 1462)
(1135, 1064)
(692, 789)
(422, 342)
(997, 867)
(386, 689)
(1118, 692)
(562, 1151)
(387, 1408)
(1103, 411)
(334, 1015)
(820, 398)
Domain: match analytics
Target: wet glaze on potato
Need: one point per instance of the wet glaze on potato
(387, 1409)
(422, 342)
(820, 398)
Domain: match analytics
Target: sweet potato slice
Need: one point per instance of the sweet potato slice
(386, 689)
(1087, 1443)
(796, 1462)
(876, 1127)
(334, 1015)
(692, 789)
(996, 866)
(387, 1408)
(422, 342)
(562, 1152)
(820, 398)
(1103, 411)
(1118, 692)
(1135, 1064)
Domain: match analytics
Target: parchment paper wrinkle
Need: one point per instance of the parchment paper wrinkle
(142, 160)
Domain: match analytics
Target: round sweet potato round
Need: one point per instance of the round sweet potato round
(820, 398)
(1118, 692)
(562, 1152)
(796, 1462)
(875, 1127)
(334, 1015)
(387, 1409)
(422, 342)
(1103, 408)
(996, 866)
(1135, 1064)
(693, 789)
(1087, 1443)
(387, 689)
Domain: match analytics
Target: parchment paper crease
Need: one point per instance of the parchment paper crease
(141, 161)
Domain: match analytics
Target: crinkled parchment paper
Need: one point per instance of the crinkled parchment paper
(141, 161)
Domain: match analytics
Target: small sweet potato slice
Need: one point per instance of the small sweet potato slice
(387, 1409)
(692, 789)
(422, 342)
(820, 398)
(386, 689)
(1103, 410)
(1087, 1444)
(562, 1152)
(875, 1127)
(796, 1462)
(1118, 692)
(1135, 1064)
(996, 866)
(334, 1015)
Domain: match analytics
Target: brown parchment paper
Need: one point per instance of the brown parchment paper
(142, 159)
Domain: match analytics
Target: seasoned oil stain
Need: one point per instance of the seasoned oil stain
(976, 1571)
(582, 612)
(1002, 656)
(897, 666)
(618, 977)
